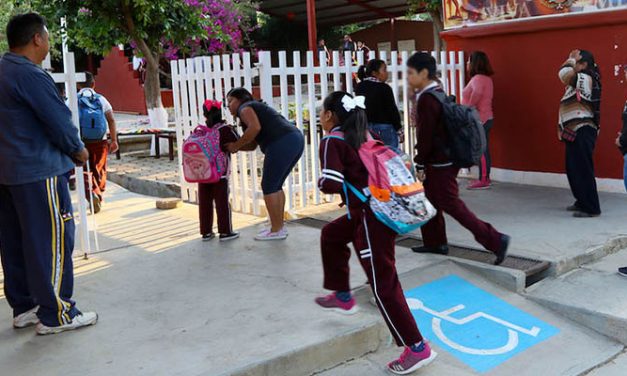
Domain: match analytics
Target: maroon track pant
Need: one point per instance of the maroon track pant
(374, 245)
(98, 152)
(96, 179)
(207, 195)
(443, 192)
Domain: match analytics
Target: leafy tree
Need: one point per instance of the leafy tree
(434, 9)
(9, 8)
(156, 29)
(6, 9)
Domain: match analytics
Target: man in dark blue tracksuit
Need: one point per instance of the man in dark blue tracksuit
(38, 145)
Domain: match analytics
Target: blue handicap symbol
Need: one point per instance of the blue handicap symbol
(475, 326)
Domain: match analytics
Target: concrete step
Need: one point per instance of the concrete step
(593, 295)
(616, 367)
(571, 350)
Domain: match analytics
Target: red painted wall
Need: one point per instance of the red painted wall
(526, 56)
(117, 81)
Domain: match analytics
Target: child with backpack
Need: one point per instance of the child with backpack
(450, 137)
(96, 118)
(343, 172)
(206, 161)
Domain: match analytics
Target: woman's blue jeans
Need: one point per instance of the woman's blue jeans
(386, 133)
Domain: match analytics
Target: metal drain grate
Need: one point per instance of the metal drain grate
(311, 222)
(534, 269)
(529, 266)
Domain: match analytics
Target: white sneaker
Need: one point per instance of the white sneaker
(26, 319)
(79, 321)
(268, 235)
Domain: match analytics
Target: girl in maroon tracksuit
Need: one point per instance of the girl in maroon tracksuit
(208, 193)
(372, 240)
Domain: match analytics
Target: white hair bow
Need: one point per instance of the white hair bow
(350, 103)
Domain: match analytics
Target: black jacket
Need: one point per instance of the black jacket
(380, 103)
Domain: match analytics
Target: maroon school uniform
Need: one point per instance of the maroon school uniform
(441, 180)
(217, 192)
(376, 252)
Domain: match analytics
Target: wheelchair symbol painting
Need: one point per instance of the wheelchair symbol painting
(478, 328)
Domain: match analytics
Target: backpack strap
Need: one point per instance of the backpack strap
(92, 101)
(360, 195)
(439, 95)
(333, 136)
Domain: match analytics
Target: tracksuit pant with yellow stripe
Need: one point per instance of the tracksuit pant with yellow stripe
(36, 244)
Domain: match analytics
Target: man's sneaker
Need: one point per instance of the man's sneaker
(79, 321)
(623, 271)
(439, 250)
(268, 235)
(502, 252)
(227, 237)
(478, 185)
(410, 361)
(332, 303)
(573, 208)
(207, 237)
(26, 319)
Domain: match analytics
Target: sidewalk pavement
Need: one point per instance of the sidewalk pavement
(143, 174)
(170, 304)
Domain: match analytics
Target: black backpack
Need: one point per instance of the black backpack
(466, 135)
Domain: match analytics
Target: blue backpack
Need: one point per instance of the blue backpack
(93, 123)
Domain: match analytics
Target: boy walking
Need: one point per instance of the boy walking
(98, 149)
(437, 170)
(38, 145)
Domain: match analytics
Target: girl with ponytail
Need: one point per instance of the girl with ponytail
(344, 121)
(383, 115)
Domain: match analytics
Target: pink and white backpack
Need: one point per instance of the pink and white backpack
(395, 196)
(203, 159)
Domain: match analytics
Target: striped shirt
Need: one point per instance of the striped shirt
(576, 106)
(341, 161)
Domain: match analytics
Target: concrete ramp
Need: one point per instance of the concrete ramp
(593, 295)
(479, 328)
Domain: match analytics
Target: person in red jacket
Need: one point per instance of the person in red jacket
(438, 172)
(218, 193)
(373, 241)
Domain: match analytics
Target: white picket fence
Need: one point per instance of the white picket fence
(197, 79)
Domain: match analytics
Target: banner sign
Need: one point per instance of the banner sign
(459, 13)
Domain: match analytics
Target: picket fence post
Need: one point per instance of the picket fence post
(199, 78)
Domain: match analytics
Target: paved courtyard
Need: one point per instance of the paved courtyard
(170, 304)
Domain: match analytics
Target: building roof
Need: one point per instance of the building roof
(336, 12)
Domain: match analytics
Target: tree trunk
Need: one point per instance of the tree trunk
(438, 26)
(152, 87)
(152, 90)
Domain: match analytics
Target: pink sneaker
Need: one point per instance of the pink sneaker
(268, 235)
(410, 361)
(479, 184)
(332, 303)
